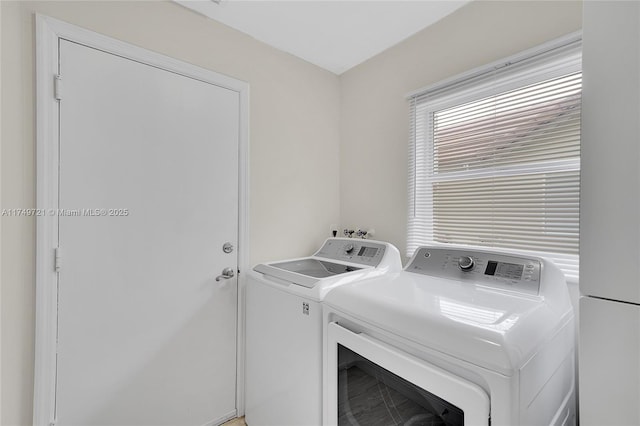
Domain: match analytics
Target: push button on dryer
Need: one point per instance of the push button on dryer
(466, 263)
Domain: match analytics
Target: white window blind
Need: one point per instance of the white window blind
(495, 157)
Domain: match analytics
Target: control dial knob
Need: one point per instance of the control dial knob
(348, 248)
(466, 263)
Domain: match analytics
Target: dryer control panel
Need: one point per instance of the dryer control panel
(364, 252)
(501, 271)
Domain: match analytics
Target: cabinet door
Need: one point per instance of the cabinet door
(609, 362)
(610, 177)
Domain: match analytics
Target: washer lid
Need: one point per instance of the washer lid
(485, 326)
(337, 258)
(305, 272)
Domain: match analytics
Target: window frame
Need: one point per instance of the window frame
(551, 60)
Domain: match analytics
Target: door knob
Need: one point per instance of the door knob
(226, 274)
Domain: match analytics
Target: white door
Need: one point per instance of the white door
(148, 192)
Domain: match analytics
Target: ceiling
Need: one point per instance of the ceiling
(333, 34)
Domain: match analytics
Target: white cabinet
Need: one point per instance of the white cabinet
(609, 363)
(610, 157)
(609, 343)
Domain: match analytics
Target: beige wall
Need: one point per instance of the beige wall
(375, 123)
(294, 147)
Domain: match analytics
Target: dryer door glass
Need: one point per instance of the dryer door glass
(371, 395)
(370, 382)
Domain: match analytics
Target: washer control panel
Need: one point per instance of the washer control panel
(364, 252)
(513, 273)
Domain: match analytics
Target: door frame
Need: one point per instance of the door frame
(48, 33)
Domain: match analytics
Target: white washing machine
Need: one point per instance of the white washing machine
(460, 337)
(284, 327)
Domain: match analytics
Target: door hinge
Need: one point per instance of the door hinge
(57, 259)
(57, 87)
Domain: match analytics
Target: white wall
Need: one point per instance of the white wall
(0, 222)
(294, 148)
(375, 113)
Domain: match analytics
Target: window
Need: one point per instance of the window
(495, 157)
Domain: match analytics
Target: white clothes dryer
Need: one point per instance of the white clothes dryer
(283, 361)
(460, 337)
